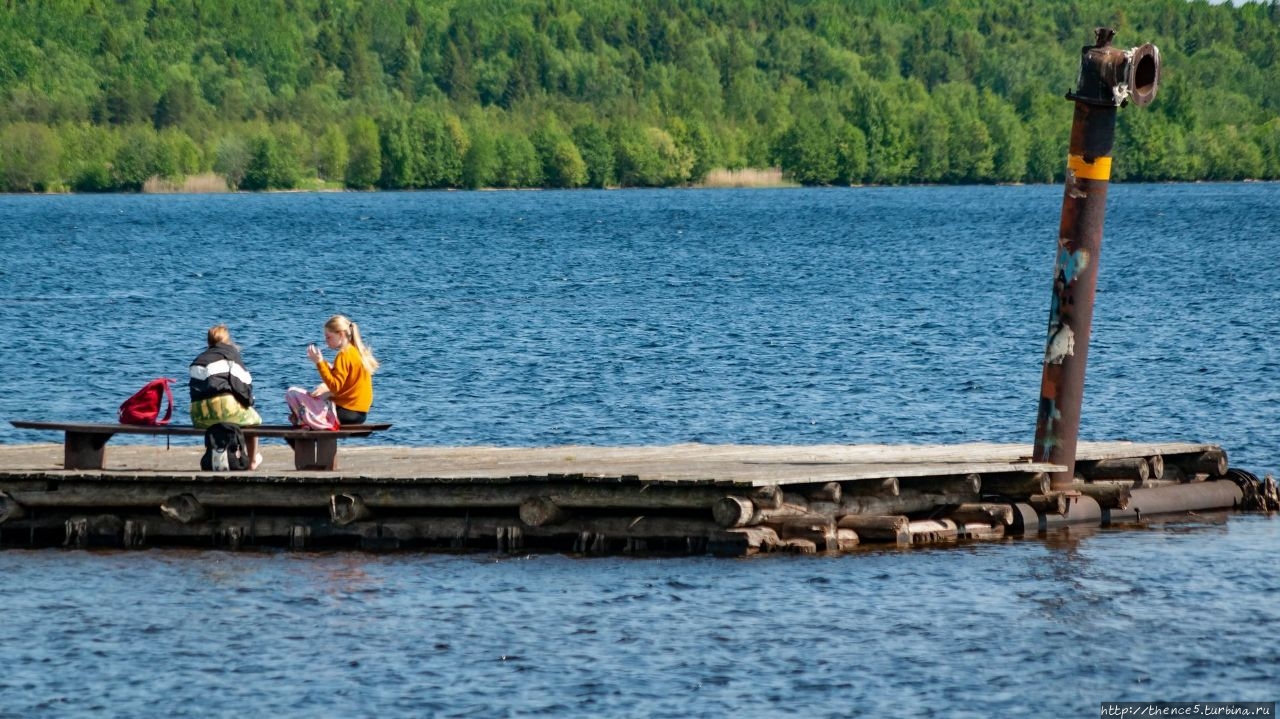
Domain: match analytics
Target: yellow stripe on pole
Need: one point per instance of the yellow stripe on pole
(1099, 169)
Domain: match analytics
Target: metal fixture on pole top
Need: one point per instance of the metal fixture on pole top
(1109, 78)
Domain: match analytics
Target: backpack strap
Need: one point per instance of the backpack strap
(168, 395)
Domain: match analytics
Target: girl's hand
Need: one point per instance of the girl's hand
(314, 354)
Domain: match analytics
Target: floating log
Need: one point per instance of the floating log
(1016, 484)
(846, 540)
(541, 511)
(1081, 509)
(1156, 463)
(947, 484)
(979, 530)
(733, 511)
(1051, 503)
(885, 528)
(931, 531)
(887, 487)
(1212, 462)
(767, 497)
(347, 508)
(1120, 468)
(1108, 495)
(744, 541)
(819, 530)
(183, 508)
(10, 508)
(990, 513)
(905, 503)
(829, 492)
(799, 546)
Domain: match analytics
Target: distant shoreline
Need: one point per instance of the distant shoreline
(749, 178)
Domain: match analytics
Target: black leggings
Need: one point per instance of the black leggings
(346, 416)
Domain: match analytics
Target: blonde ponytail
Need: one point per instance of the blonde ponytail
(371, 363)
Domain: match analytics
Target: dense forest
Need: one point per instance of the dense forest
(105, 95)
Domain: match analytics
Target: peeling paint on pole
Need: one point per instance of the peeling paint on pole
(1109, 78)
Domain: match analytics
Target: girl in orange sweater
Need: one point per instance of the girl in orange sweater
(349, 380)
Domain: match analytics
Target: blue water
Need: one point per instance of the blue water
(904, 315)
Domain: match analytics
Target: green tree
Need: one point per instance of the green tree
(364, 164)
(518, 164)
(231, 160)
(87, 154)
(273, 160)
(332, 154)
(29, 155)
(597, 153)
(807, 152)
(135, 160)
(480, 166)
(562, 164)
(851, 155)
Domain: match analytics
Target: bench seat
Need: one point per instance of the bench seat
(84, 444)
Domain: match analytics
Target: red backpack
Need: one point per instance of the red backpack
(144, 406)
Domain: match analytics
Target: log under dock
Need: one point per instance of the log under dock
(722, 499)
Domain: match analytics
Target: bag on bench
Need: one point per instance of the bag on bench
(310, 412)
(144, 406)
(224, 449)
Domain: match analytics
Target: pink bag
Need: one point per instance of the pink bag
(310, 412)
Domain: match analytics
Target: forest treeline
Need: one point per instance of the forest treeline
(103, 95)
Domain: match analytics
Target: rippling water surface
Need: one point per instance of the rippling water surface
(906, 315)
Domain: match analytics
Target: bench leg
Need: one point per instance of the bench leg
(84, 450)
(320, 453)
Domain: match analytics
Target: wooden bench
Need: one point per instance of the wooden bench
(84, 444)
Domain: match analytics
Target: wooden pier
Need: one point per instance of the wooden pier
(723, 499)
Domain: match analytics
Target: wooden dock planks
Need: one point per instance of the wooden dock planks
(729, 499)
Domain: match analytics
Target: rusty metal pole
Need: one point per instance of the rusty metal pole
(1109, 78)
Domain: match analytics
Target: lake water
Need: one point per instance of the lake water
(902, 315)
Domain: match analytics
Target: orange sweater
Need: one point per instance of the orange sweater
(349, 383)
